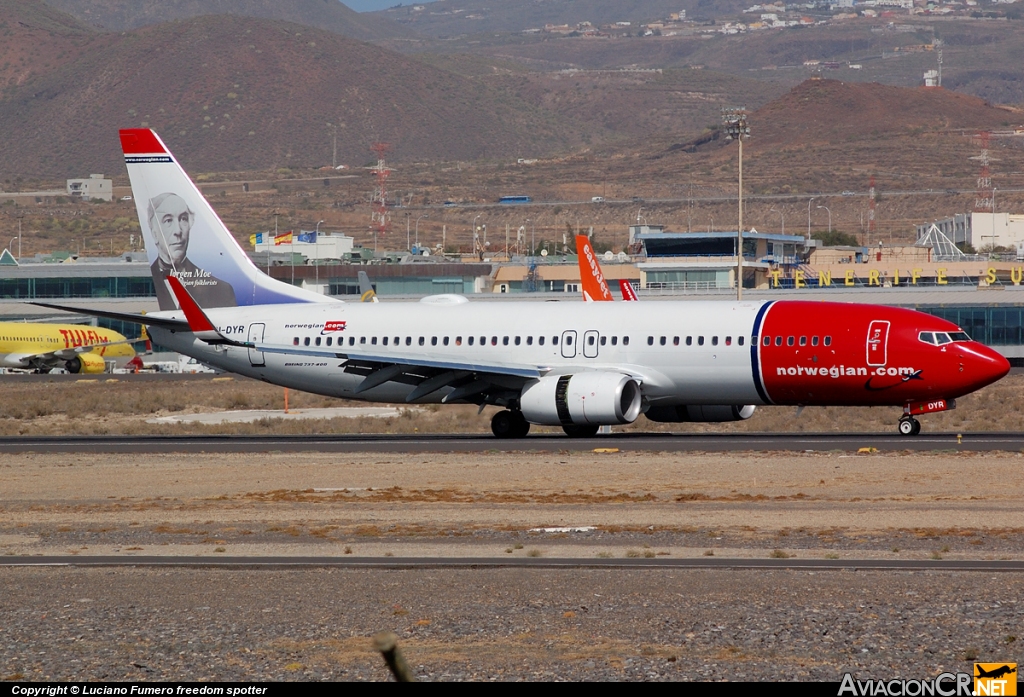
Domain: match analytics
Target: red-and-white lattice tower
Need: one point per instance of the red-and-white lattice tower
(381, 218)
(871, 210)
(983, 199)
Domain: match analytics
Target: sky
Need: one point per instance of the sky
(370, 5)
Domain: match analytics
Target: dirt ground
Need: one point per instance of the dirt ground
(568, 504)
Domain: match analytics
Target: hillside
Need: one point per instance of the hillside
(233, 93)
(37, 38)
(330, 15)
(454, 17)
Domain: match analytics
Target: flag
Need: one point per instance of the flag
(307, 236)
(256, 239)
(283, 238)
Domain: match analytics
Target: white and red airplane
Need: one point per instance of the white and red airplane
(569, 364)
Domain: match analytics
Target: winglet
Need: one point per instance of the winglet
(592, 278)
(198, 323)
(628, 292)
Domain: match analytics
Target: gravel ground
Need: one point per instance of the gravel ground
(506, 624)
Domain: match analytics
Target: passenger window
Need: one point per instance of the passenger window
(540, 341)
(351, 341)
(433, 341)
(650, 341)
(362, 340)
(529, 341)
(739, 339)
(700, 341)
(604, 340)
(689, 341)
(398, 340)
(828, 341)
(662, 341)
(814, 341)
(554, 341)
(625, 341)
(422, 341)
(445, 340)
(483, 340)
(458, 341)
(295, 341)
(675, 341)
(408, 341)
(778, 341)
(470, 341)
(384, 340)
(517, 341)
(615, 340)
(568, 340)
(306, 341)
(728, 341)
(790, 340)
(714, 341)
(373, 341)
(590, 341)
(329, 340)
(504, 341)
(803, 341)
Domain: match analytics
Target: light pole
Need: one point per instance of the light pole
(829, 218)
(783, 218)
(533, 236)
(316, 259)
(994, 217)
(418, 230)
(408, 240)
(809, 218)
(476, 235)
(20, 216)
(735, 120)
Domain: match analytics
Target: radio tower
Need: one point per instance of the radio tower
(871, 210)
(983, 202)
(381, 218)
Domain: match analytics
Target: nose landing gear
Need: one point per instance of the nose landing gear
(909, 426)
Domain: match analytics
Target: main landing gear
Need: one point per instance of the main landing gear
(909, 426)
(509, 424)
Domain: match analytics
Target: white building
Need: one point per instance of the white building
(997, 230)
(94, 187)
(327, 245)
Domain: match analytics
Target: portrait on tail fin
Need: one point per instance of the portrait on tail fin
(170, 221)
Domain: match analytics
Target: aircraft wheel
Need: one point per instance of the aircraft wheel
(909, 427)
(522, 425)
(588, 431)
(505, 425)
(917, 427)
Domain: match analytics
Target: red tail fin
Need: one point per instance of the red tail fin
(628, 292)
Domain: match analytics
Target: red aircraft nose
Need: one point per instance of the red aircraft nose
(981, 365)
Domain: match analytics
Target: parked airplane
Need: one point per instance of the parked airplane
(568, 364)
(593, 284)
(76, 348)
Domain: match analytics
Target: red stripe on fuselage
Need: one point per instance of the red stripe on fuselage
(842, 374)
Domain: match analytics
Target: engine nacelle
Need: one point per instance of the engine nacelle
(700, 413)
(591, 397)
(86, 363)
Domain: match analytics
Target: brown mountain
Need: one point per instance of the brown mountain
(330, 15)
(231, 93)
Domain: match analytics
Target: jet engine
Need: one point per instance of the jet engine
(86, 363)
(592, 397)
(703, 413)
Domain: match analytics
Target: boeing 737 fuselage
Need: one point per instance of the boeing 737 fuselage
(578, 365)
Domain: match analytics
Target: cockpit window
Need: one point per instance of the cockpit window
(959, 336)
(942, 338)
(927, 337)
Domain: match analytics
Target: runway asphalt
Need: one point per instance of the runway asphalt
(419, 443)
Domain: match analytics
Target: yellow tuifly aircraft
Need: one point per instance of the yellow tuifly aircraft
(77, 348)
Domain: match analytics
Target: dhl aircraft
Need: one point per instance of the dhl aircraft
(569, 364)
(77, 348)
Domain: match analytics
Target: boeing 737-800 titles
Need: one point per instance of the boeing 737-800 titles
(569, 364)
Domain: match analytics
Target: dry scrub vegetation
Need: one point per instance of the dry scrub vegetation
(122, 406)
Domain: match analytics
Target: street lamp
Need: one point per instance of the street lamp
(783, 218)
(316, 259)
(418, 229)
(476, 236)
(735, 120)
(20, 217)
(829, 218)
(809, 217)
(533, 236)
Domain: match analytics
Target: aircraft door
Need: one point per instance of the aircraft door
(256, 337)
(590, 342)
(569, 344)
(878, 342)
